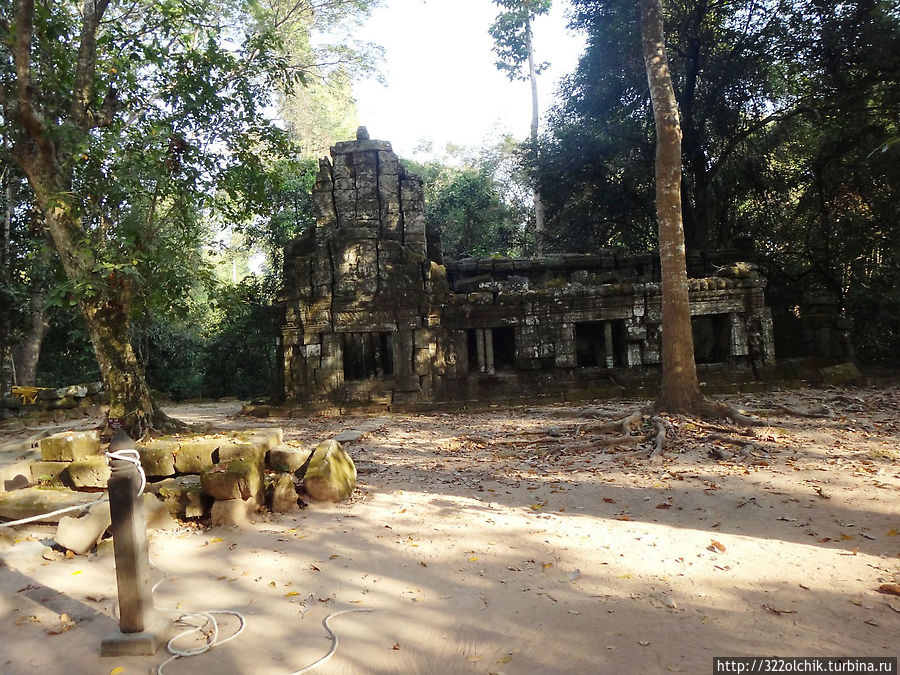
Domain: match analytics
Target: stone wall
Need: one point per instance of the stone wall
(371, 314)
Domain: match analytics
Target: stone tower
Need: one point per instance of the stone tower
(360, 287)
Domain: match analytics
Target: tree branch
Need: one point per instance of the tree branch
(24, 107)
(83, 89)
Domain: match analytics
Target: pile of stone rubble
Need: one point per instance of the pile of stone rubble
(222, 478)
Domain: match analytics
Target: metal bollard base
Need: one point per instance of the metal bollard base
(145, 643)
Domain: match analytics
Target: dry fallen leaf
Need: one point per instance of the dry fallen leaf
(65, 623)
(716, 546)
(664, 505)
(889, 589)
(396, 646)
(609, 500)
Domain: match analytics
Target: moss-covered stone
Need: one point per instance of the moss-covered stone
(70, 445)
(843, 373)
(331, 474)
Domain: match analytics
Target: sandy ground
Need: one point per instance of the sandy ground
(482, 556)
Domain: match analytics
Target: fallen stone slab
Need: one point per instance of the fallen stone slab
(79, 534)
(331, 474)
(349, 436)
(15, 477)
(70, 445)
(34, 501)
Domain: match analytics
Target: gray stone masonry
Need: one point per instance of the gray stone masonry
(370, 314)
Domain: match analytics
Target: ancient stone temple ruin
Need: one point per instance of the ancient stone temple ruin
(371, 313)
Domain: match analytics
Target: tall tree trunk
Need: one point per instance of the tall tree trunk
(6, 375)
(107, 311)
(109, 325)
(45, 156)
(535, 121)
(680, 390)
(26, 355)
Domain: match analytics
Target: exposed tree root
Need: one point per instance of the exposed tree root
(662, 427)
(818, 411)
(744, 444)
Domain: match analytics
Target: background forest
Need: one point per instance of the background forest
(790, 115)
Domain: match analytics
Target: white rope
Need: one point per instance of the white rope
(209, 616)
(212, 635)
(45, 516)
(334, 638)
(133, 456)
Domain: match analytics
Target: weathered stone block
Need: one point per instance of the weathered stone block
(80, 534)
(388, 164)
(34, 501)
(243, 448)
(44, 472)
(237, 479)
(183, 496)
(281, 494)
(157, 515)
(268, 437)
(158, 457)
(331, 475)
(349, 436)
(285, 459)
(90, 472)
(232, 512)
(70, 445)
(843, 373)
(345, 147)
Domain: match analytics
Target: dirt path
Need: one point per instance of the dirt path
(480, 556)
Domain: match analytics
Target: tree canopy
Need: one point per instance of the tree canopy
(787, 109)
